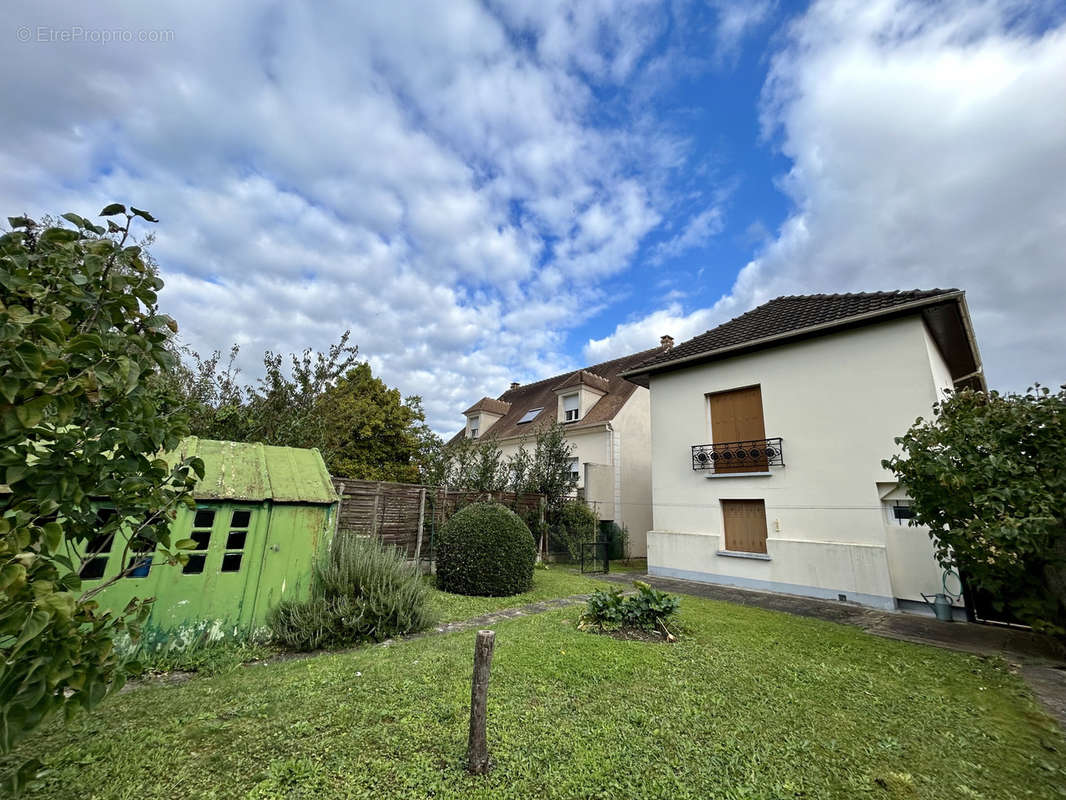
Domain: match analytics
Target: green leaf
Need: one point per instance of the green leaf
(112, 210)
(185, 544)
(53, 536)
(143, 214)
(30, 414)
(74, 219)
(21, 222)
(9, 387)
(34, 624)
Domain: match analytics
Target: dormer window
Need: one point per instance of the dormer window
(571, 411)
(530, 415)
(473, 432)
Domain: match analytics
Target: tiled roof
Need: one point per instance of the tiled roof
(542, 395)
(585, 378)
(794, 315)
(489, 405)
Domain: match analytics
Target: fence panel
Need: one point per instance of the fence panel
(392, 511)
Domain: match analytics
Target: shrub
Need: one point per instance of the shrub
(648, 609)
(363, 592)
(485, 549)
(576, 524)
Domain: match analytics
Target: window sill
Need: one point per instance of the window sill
(738, 475)
(741, 554)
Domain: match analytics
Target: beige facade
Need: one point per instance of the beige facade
(837, 401)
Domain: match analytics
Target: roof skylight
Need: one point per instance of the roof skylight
(529, 415)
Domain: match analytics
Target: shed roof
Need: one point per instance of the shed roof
(253, 471)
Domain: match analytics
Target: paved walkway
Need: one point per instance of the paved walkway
(1041, 661)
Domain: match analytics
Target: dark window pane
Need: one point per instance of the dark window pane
(241, 519)
(94, 569)
(202, 538)
(100, 544)
(104, 516)
(903, 512)
(236, 540)
(142, 564)
(205, 518)
(231, 562)
(195, 565)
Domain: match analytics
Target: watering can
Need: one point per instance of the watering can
(941, 601)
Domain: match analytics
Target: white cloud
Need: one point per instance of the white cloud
(439, 179)
(927, 144)
(736, 19)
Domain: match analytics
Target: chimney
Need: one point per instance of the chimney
(515, 384)
(666, 342)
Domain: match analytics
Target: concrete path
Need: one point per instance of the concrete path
(1041, 661)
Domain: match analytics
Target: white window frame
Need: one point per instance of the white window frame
(572, 414)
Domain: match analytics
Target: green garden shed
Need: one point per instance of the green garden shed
(263, 516)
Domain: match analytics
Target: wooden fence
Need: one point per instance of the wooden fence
(408, 515)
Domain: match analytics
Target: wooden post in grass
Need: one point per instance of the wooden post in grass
(421, 522)
(477, 749)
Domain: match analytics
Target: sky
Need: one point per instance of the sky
(487, 192)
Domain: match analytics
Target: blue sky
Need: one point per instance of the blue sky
(486, 191)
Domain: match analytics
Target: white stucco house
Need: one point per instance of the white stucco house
(607, 423)
(767, 435)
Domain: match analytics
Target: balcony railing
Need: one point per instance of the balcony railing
(753, 455)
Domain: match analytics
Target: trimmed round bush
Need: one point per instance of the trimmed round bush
(485, 549)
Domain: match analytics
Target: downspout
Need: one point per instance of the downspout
(616, 461)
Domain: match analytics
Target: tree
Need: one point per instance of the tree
(369, 430)
(987, 476)
(81, 420)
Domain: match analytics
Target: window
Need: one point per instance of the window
(901, 511)
(570, 408)
(575, 469)
(736, 418)
(201, 534)
(235, 541)
(473, 431)
(530, 415)
(745, 525)
(98, 549)
(141, 561)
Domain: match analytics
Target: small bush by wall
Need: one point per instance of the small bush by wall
(364, 592)
(485, 549)
(576, 523)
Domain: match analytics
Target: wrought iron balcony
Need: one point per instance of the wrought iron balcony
(753, 455)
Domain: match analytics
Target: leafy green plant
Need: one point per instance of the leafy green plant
(365, 591)
(485, 549)
(575, 524)
(81, 417)
(987, 476)
(648, 609)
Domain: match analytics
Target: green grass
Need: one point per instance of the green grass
(752, 704)
(555, 581)
(629, 565)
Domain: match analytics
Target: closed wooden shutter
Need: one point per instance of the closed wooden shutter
(745, 525)
(736, 416)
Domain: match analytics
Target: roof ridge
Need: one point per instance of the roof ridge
(589, 368)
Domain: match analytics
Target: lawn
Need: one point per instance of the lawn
(752, 704)
(555, 581)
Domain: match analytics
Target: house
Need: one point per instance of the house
(767, 438)
(606, 420)
(262, 516)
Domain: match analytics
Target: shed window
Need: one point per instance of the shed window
(204, 519)
(235, 541)
(93, 569)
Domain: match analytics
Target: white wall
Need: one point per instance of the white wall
(633, 426)
(837, 401)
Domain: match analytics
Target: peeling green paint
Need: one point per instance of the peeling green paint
(262, 517)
